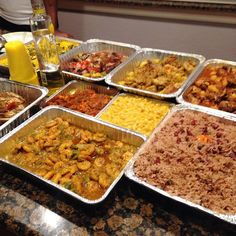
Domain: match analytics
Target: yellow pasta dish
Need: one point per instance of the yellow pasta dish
(137, 113)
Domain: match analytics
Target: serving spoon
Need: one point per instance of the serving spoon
(3, 41)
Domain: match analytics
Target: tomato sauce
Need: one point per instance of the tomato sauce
(87, 101)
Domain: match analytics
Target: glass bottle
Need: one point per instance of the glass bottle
(38, 7)
(46, 49)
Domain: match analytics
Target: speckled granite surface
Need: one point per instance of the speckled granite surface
(29, 208)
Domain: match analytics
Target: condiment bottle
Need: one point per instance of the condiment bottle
(19, 63)
(46, 49)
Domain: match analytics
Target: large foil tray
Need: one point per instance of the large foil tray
(95, 45)
(81, 120)
(148, 53)
(5, 69)
(180, 98)
(82, 85)
(32, 94)
(131, 175)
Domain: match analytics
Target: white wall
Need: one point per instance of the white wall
(210, 40)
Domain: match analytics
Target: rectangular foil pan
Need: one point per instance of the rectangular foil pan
(82, 121)
(124, 94)
(95, 45)
(180, 98)
(82, 85)
(32, 94)
(148, 53)
(131, 175)
(5, 70)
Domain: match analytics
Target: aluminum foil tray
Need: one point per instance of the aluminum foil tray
(5, 69)
(32, 94)
(83, 121)
(125, 94)
(82, 85)
(148, 53)
(180, 98)
(95, 45)
(131, 175)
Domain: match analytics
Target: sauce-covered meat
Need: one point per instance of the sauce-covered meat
(87, 101)
(215, 88)
(95, 64)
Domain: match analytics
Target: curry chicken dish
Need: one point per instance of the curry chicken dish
(82, 161)
(159, 75)
(214, 88)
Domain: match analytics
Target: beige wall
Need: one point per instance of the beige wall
(209, 39)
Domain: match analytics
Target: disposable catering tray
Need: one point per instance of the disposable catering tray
(73, 85)
(209, 62)
(96, 45)
(80, 120)
(149, 53)
(131, 175)
(131, 113)
(32, 94)
(4, 68)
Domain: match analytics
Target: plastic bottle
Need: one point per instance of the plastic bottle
(46, 50)
(19, 63)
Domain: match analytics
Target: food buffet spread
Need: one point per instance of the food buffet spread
(164, 120)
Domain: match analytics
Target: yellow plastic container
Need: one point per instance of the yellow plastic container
(19, 63)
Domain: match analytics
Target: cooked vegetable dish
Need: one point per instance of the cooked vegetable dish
(87, 101)
(215, 88)
(95, 64)
(159, 75)
(77, 159)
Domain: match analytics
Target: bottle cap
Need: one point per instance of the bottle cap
(20, 66)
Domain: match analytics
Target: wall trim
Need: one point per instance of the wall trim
(185, 14)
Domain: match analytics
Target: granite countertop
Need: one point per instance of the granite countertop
(28, 207)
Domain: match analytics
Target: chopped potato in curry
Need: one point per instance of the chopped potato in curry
(79, 160)
(160, 75)
(215, 87)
